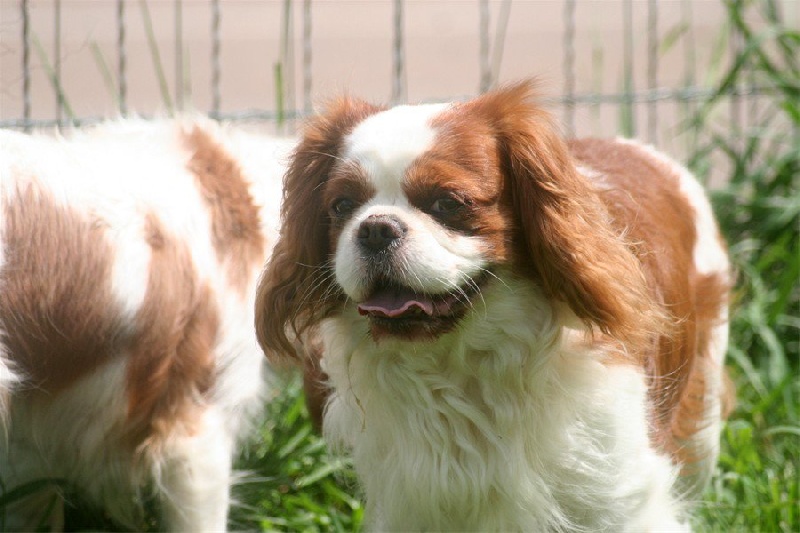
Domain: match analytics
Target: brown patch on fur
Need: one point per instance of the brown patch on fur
(56, 302)
(172, 360)
(235, 224)
(713, 295)
(464, 164)
(646, 205)
(346, 181)
(297, 288)
(60, 320)
(561, 227)
(689, 416)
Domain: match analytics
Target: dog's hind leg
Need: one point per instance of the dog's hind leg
(196, 478)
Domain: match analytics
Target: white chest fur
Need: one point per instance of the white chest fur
(500, 425)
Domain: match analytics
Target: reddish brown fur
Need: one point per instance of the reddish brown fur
(646, 205)
(235, 224)
(314, 381)
(294, 292)
(348, 181)
(57, 325)
(61, 321)
(464, 162)
(666, 256)
(560, 222)
(711, 293)
(172, 363)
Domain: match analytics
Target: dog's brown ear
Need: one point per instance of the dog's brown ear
(315, 382)
(296, 289)
(570, 248)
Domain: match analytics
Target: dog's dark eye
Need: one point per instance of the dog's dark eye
(342, 207)
(446, 205)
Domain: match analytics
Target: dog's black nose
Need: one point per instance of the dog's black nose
(378, 232)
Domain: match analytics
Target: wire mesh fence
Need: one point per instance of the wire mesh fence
(636, 67)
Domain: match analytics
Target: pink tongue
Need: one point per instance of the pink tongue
(395, 302)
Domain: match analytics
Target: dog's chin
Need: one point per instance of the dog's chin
(411, 328)
(394, 310)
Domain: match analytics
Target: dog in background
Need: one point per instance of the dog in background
(520, 333)
(129, 255)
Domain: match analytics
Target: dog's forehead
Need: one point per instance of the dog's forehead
(386, 143)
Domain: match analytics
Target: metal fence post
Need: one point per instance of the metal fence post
(399, 65)
(569, 66)
(122, 59)
(307, 56)
(483, 50)
(652, 70)
(628, 124)
(26, 65)
(216, 69)
(179, 90)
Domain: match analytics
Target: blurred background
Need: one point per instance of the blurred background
(633, 66)
(715, 83)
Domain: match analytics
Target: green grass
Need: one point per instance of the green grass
(294, 483)
(757, 487)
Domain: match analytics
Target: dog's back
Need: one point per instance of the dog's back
(127, 358)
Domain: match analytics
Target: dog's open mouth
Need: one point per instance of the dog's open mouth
(397, 310)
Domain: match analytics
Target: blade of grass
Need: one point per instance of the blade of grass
(105, 72)
(23, 491)
(55, 81)
(279, 97)
(155, 55)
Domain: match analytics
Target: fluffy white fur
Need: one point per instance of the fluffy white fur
(464, 431)
(118, 173)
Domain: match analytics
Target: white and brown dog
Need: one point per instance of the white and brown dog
(128, 264)
(520, 333)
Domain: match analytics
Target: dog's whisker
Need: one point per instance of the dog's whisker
(495, 276)
(321, 278)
